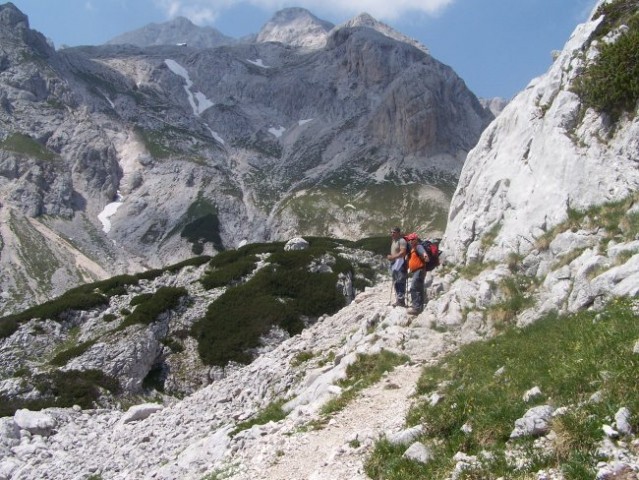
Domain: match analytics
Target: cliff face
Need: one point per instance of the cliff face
(544, 155)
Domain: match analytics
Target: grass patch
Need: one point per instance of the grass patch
(272, 413)
(25, 145)
(517, 291)
(569, 358)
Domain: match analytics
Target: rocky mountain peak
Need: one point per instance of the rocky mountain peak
(11, 17)
(366, 20)
(295, 26)
(14, 26)
(179, 30)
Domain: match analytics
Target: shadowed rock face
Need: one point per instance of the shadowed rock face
(249, 141)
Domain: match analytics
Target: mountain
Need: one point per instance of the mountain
(118, 158)
(178, 31)
(522, 364)
(297, 27)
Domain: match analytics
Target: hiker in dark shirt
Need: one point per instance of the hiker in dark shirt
(397, 257)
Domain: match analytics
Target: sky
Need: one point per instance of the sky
(496, 46)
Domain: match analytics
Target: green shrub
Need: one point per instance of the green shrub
(147, 312)
(64, 389)
(76, 300)
(63, 357)
(280, 294)
(138, 299)
(611, 83)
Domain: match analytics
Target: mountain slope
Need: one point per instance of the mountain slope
(141, 157)
(178, 31)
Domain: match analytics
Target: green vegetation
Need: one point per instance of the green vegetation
(25, 145)
(279, 294)
(569, 358)
(63, 357)
(64, 389)
(616, 219)
(611, 83)
(86, 297)
(272, 413)
(150, 307)
(517, 292)
(364, 372)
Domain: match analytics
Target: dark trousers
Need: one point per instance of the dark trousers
(399, 278)
(417, 289)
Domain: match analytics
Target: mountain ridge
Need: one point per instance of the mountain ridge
(190, 150)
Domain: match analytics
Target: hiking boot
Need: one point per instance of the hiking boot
(413, 311)
(399, 303)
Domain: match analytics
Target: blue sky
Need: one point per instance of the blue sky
(496, 46)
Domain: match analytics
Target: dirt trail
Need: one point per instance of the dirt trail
(338, 450)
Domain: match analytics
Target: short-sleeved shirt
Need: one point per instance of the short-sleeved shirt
(397, 245)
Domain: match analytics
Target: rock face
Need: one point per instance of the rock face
(538, 160)
(296, 27)
(179, 31)
(118, 158)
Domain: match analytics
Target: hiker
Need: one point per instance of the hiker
(417, 260)
(397, 257)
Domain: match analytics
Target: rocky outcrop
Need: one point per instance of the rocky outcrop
(540, 159)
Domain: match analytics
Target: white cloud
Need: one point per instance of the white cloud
(206, 11)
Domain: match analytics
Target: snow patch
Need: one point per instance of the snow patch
(277, 131)
(108, 212)
(258, 62)
(199, 102)
(216, 136)
(303, 122)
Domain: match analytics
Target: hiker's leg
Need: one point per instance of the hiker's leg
(418, 286)
(400, 286)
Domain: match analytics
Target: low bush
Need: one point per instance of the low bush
(279, 294)
(151, 307)
(611, 83)
(63, 357)
(64, 389)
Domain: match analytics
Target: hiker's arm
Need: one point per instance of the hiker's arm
(401, 254)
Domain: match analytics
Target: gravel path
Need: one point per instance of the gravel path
(340, 448)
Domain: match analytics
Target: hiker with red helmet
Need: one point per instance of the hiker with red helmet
(417, 260)
(397, 257)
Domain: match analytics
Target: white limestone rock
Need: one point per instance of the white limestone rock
(534, 422)
(34, 422)
(141, 412)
